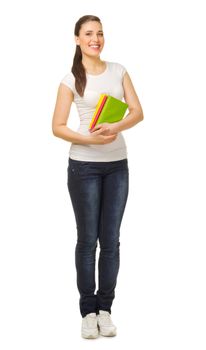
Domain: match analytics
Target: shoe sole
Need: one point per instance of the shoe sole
(110, 334)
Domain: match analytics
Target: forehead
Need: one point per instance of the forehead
(91, 26)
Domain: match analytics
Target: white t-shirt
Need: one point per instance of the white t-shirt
(108, 82)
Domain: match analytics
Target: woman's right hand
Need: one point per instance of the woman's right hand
(100, 139)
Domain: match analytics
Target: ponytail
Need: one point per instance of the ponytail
(78, 71)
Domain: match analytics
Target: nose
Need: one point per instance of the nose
(95, 37)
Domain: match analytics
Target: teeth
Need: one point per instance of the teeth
(94, 46)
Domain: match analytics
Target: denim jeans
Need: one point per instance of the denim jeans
(98, 192)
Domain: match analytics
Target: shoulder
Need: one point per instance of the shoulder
(69, 80)
(117, 68)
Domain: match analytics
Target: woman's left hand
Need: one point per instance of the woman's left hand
(104, 129)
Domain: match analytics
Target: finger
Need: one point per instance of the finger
(95, 128)
(97, 132)
(110, 136)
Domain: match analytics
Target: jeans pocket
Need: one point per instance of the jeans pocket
(77, 167)
(73, 169)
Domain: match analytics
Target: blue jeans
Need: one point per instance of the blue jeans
(98, 192)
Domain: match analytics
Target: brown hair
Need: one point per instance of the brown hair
(78, 69)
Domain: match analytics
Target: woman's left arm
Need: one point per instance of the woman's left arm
(135, 114)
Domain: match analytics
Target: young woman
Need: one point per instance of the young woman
(98, 174)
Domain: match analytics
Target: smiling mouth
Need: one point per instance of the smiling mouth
(95, 46)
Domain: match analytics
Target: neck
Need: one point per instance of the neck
(92, 64)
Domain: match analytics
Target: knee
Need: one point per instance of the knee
(86, 246)
(111, 248)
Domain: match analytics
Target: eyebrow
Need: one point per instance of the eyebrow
(91, 31)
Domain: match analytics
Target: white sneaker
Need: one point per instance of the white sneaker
(105, 324)
(89, 326)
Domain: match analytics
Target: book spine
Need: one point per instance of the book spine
(99, 111)
(96, 109)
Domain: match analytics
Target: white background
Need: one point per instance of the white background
(160, 296)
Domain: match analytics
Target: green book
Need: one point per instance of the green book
(112, 111)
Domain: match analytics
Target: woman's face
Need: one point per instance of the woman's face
(91, 38)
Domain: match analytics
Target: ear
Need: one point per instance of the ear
(76, 40)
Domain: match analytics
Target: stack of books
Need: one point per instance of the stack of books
(108, 110)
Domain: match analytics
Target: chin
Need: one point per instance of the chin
(94, 54)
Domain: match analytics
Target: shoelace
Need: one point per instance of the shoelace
(105, 320)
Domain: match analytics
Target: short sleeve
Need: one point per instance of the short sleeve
(69, 81)
(121, 70)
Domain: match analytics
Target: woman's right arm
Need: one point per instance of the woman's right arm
(60, 117)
